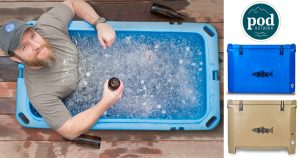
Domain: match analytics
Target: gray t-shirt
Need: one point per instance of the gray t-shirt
(47, 87)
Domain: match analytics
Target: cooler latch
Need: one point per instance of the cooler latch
(241, 106)
(281, 50)
(282, 106)
(241, 50)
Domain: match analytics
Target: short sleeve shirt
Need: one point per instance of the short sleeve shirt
(47, 87)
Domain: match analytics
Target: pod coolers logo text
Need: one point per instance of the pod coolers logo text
(260, 21)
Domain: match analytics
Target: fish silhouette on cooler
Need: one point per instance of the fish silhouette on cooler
(262, 74)
(262, 130)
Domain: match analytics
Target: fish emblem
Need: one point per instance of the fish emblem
(263, 130)
(262, 74)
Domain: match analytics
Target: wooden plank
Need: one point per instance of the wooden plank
(8, 69)
(187, 149)
(7, 105)
(221, 75)
(220, 29)
(7, 92)
(221, 67)
(205, 10)
(221, 46)
(7, 85)
(11, 130)
(7, 89)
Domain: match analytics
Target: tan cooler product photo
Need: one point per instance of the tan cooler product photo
(262, 125)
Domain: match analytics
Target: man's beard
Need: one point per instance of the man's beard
(48, 59)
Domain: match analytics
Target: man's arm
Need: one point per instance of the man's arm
(83, 121)
(83, 10)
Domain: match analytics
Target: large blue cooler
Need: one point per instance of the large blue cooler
(261, 68)
(200, 112)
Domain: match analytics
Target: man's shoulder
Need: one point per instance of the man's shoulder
(58, 11)
(59, 17)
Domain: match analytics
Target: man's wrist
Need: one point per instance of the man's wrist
(99, 26)
(99, 21)
(103, 103)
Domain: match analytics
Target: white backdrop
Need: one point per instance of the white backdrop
(288, 33)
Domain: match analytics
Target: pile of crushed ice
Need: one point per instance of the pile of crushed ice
(163, 75)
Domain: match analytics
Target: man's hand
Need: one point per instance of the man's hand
(106, 35)
(111, 97)
(83, 10)
(84, 120)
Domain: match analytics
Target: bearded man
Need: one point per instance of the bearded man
(51, 64)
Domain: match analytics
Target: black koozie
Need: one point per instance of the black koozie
(114, 83)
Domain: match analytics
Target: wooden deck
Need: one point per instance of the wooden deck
(16, 141)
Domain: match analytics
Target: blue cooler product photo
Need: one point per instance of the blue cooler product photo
(261, 68)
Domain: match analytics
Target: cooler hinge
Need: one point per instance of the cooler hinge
(282, 105)
(241, 50)
(281, 50)
(241, 106)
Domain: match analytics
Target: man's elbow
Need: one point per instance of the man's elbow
(67, 131)
(68, 136)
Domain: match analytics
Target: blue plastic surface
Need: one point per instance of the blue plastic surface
(261, 68)
(209, 117)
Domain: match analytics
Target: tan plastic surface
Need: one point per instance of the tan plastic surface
(246, 117)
